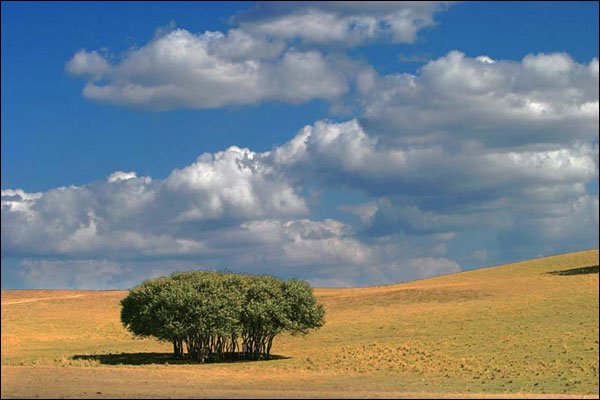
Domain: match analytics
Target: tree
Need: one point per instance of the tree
(156, 308)
(210, 312)
(302, 309)
(263, 315)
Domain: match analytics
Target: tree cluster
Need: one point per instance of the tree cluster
(209, 315)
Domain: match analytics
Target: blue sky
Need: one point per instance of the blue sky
(420, 156)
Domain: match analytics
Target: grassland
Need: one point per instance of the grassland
(527, 329)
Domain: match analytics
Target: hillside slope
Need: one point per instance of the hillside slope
(525, 328)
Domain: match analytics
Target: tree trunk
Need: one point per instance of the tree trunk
(269, 344)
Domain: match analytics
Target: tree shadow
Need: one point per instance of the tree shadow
(577, 271)
(164, 359)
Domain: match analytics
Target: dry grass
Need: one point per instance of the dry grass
(502, 331)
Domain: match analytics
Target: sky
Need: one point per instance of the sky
(345, 143)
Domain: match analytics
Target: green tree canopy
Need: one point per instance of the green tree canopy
(219, 315)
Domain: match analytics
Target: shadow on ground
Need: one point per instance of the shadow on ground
(160, 358)
(577, 271)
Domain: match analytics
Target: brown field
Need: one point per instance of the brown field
(518, 330)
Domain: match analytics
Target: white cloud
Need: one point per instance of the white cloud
(344, 153)
(120, 175)
(485, 60)
(234, 183)
(342, 23)
(325, 149)
(131, 216)
(181, 69)
(300, 243)
(19, 200)
(260, 60)
(544, 99)
(499, 147)
(87, 63)
(242, 210)
(232, 208)
(474, 156)
(426, 189)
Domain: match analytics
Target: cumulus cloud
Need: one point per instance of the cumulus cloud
(467, 144)
(120, 175)
(19, 200)
(92, 254)
(427, 189)
(137, 215)
(341, 23)
(208, 70)
(344, 153)
(235, 209)
(546, 99)
(244, 210)
(91, 64)
(468, 158)
(503, 148)
(272, 54)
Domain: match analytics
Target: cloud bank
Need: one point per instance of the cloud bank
(467, 161)
(259, 61)
(433, 183)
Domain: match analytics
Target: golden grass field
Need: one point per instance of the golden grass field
(511, 331)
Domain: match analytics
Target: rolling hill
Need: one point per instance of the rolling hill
(526, 329)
